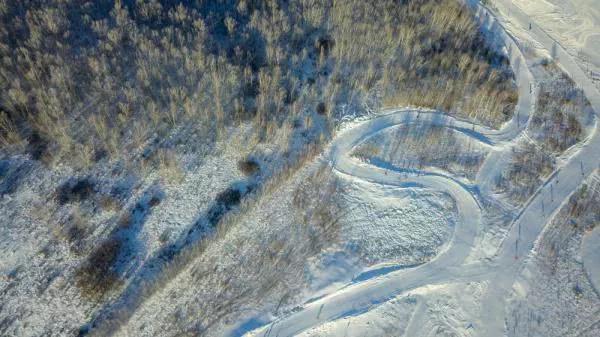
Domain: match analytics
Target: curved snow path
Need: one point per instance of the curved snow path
(359, 297)
(447, 267)
(549, 197)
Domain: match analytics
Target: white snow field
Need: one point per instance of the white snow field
(407, 226)
(575, 24)
(372, 300)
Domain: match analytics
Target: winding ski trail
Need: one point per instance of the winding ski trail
(502, 270)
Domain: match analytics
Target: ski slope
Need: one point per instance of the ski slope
(448, 267)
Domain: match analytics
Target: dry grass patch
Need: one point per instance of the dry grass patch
(529, 167)
(97, 276)
(75, 190)
(249, 166)
(417, 146)
(74, 230)
(559, 121)
(561, 110)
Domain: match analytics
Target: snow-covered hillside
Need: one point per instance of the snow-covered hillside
(418, 168)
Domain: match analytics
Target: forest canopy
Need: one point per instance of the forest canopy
(89, 80)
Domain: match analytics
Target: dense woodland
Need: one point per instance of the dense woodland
(85, 81)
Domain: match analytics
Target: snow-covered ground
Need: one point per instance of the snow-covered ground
(590, 252)
(426, 311)
(416, 251)
(436, 148)
(401, 225)
(554, 295)
(502, 272)
(39, 261)
(385, 320)
(575, 24)
(383, 228)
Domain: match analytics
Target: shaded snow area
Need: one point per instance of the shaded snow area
(406, 226)
(495, 223)
(443, 310)
(255, 264)
(50, 224)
